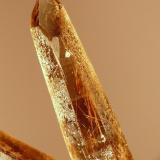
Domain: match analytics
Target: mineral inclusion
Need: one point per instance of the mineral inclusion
(89, 126)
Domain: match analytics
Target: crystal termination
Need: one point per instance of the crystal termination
(89, 126)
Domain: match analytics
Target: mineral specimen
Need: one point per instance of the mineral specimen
(89, 126)
(12, 149)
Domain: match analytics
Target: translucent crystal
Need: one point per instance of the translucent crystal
(4, 157)
(89, 127)
(12, 149)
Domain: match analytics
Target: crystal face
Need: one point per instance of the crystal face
(89, 126)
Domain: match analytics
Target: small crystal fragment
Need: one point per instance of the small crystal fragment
(67, 54)
(89, 126)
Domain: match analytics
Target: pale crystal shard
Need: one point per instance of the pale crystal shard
(89, 127)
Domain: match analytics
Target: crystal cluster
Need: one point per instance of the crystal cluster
(89, 126)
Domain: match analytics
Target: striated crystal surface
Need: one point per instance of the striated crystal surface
(89, 126)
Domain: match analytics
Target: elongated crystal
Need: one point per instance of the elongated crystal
(89, 126)
(12, 149)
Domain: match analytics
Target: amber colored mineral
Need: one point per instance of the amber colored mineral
(12, 149)
(90, 128)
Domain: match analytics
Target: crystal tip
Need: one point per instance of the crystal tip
(34, 16)
(46, 15)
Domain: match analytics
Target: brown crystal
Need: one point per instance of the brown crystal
(89, 126)
(12, 149)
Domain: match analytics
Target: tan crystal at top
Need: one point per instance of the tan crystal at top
(90, 128)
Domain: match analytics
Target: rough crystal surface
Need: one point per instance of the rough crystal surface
(88, 124)
(4, 156)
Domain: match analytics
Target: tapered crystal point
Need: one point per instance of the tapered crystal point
(89, 127)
